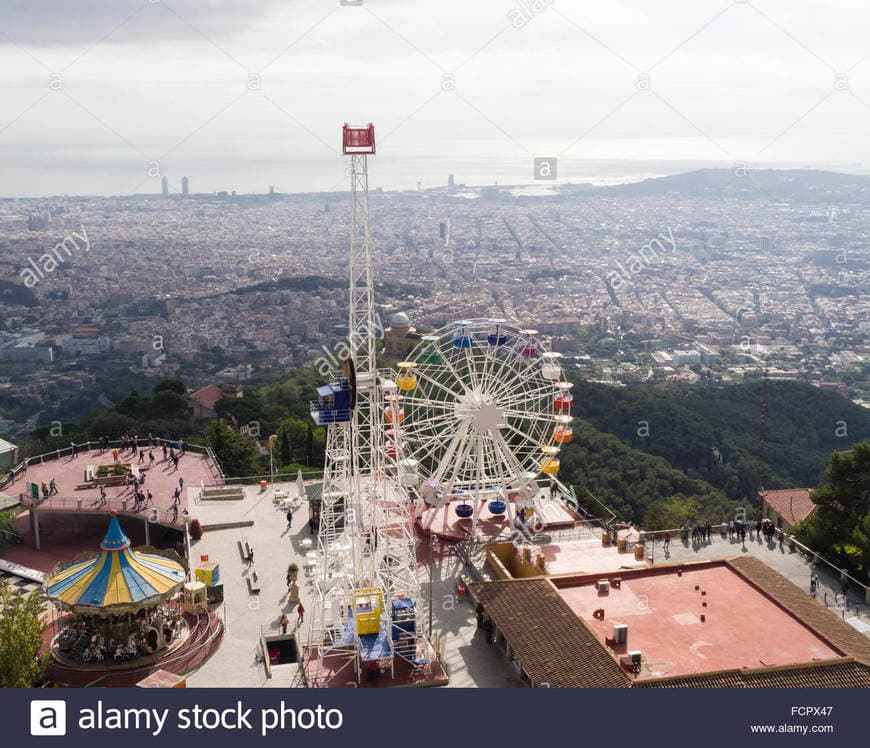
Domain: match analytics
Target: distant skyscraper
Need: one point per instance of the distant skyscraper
(165, 187)
(450, 182)
(185, 186)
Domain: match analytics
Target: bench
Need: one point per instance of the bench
(245, 551)
(253, 582)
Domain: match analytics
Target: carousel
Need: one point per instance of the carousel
(118, 603)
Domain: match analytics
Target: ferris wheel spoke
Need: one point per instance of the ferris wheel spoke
(446, 390)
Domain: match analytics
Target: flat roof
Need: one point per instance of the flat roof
(742, 628)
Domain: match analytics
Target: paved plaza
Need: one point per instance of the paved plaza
(247, 616)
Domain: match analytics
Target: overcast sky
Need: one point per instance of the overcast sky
(241, 95)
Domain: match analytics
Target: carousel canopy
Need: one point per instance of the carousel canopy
(116, 576)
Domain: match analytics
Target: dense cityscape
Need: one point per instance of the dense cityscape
(629, 287)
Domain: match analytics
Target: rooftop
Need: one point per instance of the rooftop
(792, 504)
(696, 619)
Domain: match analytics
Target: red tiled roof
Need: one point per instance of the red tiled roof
(792, 504)
(840, 673)
(208, 396)
(552, 642)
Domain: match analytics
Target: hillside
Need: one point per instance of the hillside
(713, 433)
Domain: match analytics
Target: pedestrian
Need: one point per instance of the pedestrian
(44, 490)
(708, 530)
(667, 544)
(52, 487)
(115, 455)
(175, 462)
(174, 512)
(311, 525)
(164, 451)
(284, 623)
(181, 482)
(141, 455)
(176, 497)
(301, 613)
(150, 439)
(75, 449)
(150, 458)
(814, 584)
(102, 494)
(182, 446)
(289, 517)
(149, 499)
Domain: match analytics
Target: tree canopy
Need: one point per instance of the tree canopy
(20, 637)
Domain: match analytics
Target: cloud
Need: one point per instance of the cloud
(76, 22)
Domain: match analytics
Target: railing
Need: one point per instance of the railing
(125, 506)
(21, 467)
(247, 480)
(782, 537)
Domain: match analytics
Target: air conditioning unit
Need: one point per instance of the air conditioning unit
(604, 586)
(636, 657)
(620, 633)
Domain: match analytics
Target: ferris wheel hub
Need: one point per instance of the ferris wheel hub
(480, 411)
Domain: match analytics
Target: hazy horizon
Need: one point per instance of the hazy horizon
(105, 98)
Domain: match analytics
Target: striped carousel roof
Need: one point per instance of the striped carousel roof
(117, 575)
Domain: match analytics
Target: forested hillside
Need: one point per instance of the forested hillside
(713, 433)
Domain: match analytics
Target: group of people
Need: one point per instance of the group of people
(700, 532)
(50, 489)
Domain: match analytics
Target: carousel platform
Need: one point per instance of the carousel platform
(204, 636)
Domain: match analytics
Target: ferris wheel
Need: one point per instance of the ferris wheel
(480, 410)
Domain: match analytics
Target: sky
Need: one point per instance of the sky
(104, 97)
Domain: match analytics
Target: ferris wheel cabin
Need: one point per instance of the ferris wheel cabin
(358, 140)
(333, 404)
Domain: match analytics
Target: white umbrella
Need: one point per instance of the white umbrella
(300, 486)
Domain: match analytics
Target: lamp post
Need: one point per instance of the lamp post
(272, 440)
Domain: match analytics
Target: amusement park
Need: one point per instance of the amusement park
(438, 547)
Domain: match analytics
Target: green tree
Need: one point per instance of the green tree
(236, 453)
(20, 638)
(171, 385)
(840, 527)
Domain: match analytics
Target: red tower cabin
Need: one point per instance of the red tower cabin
(356, 140)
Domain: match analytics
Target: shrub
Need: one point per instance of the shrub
(195, 529)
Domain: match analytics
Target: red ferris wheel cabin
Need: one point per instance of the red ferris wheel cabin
(356, 140)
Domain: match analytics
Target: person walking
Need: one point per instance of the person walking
(149, 499)
(164, 451)
(814, 584)
(151, 458)
(311, 525)
(52, 487)
(289, 518)
(181, 482)
(141, 455)
(75, 449)
(176, 497)
(102, 494)
(284, 623)
(667, 543)
(174, 512)
(300, 611)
